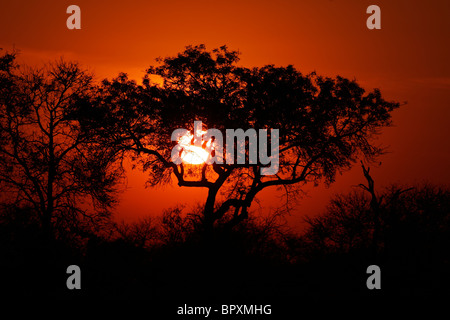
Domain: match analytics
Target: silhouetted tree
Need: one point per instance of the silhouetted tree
(325, 123)
(405, 230)
(379, 221)
(46, 162)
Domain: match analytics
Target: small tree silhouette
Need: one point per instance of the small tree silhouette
(376, 221)
(46, 161)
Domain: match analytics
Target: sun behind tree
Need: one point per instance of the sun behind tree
(325, 124)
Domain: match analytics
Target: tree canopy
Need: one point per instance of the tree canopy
(325, 124)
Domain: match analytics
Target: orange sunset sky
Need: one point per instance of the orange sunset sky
(408, 59)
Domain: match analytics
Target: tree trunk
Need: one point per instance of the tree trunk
(375, 208)
(47, 221)
(208, 212)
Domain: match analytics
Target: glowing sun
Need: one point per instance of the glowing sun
(193, 154)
